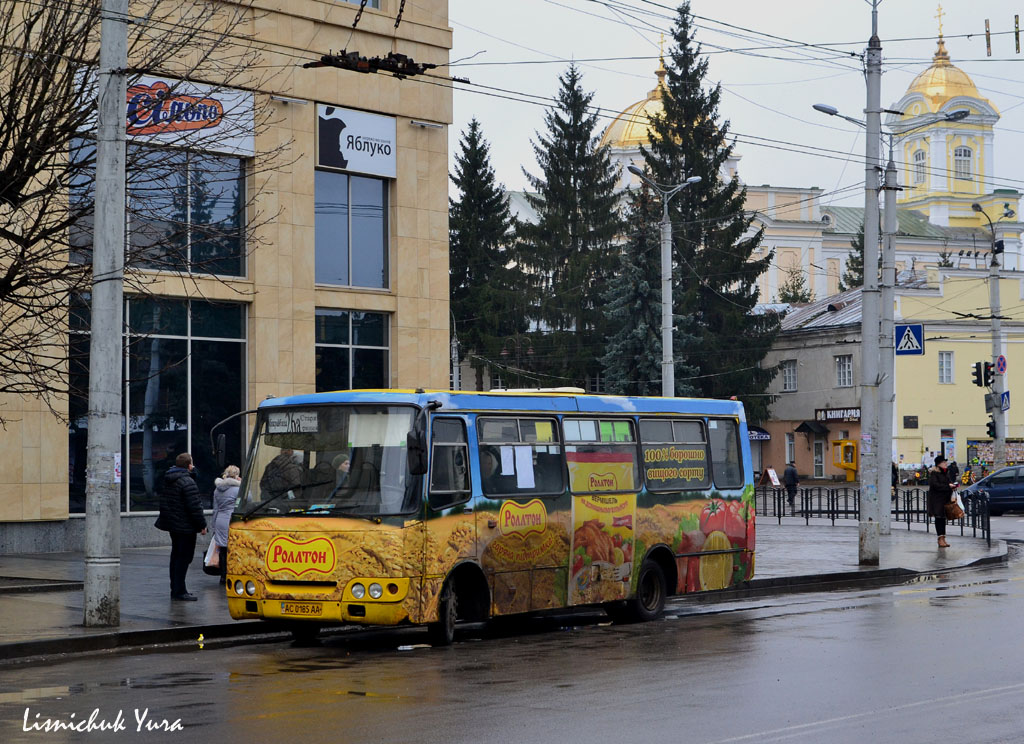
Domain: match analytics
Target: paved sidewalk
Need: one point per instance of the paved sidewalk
(41, 595)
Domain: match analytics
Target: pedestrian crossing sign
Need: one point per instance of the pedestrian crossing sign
(909, 339)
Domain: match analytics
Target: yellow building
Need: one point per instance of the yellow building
(344, 285)
(937, 408)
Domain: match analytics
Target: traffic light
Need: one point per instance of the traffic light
(989, 374)
(976, 374)
(990, 429)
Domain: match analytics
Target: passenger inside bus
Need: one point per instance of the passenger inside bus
(492, 481)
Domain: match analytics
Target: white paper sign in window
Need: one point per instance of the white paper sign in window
(524, 468)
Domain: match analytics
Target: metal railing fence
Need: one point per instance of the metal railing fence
(909, 506)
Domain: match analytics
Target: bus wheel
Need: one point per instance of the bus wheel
(442, 633)
(305, 634)
(650, 593)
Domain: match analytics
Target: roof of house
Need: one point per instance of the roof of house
(909, 223)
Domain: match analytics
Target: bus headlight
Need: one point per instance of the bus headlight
(376, 590)
(239, 587)
(358, 591)
(250, 588)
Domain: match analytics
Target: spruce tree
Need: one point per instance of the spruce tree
(945, 257)
(715, 273)
(486, 303)
(853, 273)
(794, 289)
(569, 252)
(632, 359)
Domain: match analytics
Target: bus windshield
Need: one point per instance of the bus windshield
(333, 460)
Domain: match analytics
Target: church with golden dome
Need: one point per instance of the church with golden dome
(628, 132)
(945, 166)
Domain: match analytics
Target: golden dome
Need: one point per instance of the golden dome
(629, 130)
(943, 81)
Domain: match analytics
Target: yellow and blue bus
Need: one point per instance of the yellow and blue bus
(415, 507)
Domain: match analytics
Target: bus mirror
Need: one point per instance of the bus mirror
(417, 452)
(220, 450)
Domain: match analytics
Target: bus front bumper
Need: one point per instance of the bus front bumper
(368, 613)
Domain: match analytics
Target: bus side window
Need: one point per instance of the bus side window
(520, 457)
(725, 453)
(675, 454)
(449, 463)
(601, 455)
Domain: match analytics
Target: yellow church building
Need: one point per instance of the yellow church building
(944, 168)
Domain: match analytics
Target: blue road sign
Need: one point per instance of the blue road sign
(1001, 365)
(1005, 402)
(909, 339)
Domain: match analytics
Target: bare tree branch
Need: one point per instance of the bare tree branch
(184, 219)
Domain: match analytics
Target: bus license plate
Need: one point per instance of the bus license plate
(301, 608)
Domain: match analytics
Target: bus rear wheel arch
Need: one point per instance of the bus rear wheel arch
(652, 588)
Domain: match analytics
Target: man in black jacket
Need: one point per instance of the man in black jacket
(181, 514)
(791, 480)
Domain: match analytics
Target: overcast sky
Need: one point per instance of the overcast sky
(767, 91)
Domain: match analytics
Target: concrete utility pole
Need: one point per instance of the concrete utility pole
(868, 528)
(102, 591)
(456, 371)
(886, 390)
(998, 380)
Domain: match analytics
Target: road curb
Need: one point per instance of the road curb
(131, 638)
(831, 581)
(122, 639)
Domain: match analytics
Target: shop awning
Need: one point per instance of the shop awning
(757, 434)
(812, 427)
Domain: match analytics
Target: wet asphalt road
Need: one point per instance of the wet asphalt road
(936, 660)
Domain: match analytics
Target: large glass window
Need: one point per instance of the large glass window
(351, 230)
(351, 350)
(675, 454)
(185, 209)
(184, 368)
(331, 460)
(962, 163)
(601, 455)
(369, 4)
(520, 457)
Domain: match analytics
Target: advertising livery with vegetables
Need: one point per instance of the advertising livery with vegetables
(392, 507)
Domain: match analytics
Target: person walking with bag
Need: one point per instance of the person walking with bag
(181, 514)
(940, 493)
(224, 496)
(791, 480)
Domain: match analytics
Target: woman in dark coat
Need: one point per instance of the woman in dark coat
(940, 493)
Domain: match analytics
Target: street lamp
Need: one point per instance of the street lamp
(883, 426)
(668, 370)
(998, 382)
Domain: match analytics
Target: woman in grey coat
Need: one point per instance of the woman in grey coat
(223, 504)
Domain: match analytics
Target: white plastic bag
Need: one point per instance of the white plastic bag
(212, 558)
